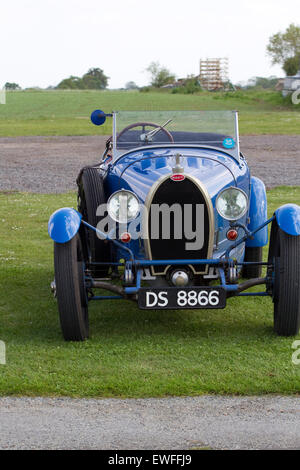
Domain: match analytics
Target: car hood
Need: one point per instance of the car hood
(139, 170)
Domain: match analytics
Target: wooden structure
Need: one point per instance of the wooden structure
(214, 73)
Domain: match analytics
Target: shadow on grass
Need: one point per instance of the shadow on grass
(30, 312)
(135, 352)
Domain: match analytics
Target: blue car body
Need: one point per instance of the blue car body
(138, 171)
(213, 165)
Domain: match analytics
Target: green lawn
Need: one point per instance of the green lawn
(67, 112)
(131, 353)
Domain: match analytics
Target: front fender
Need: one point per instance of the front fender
(64, 224)
(258, 213)
(288, 219)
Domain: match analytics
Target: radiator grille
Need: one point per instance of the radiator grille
(186, 192)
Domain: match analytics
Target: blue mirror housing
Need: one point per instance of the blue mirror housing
(98, 117)
(64, 224)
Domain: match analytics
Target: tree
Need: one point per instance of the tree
(192, 84)
(261, 82)
(284, 49)
(12, 86)
(71, 83)
(131, 86)
(292, 65)
(95, 79)
(160, 75)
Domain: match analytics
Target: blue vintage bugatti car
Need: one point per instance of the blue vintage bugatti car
(171, 218)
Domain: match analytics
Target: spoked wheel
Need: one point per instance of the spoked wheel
(70, 289)
(90, 196)
(252, 254)
(284, 253)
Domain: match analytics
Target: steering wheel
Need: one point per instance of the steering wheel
(143, 125)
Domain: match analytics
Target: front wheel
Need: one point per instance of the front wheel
(90, 196)
(285, 255)
(70, 289)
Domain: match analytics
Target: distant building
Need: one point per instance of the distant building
(291, 84)
(214, 74)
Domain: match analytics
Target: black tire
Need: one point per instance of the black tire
(252, 254)
(70, 291)
(91, 195)
(284, 253)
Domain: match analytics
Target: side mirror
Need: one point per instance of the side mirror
(98, 117)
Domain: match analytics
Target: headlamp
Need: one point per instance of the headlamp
(123, 206)
(232, 203)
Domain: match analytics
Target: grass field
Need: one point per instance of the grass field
(131, 353)
(67, 112)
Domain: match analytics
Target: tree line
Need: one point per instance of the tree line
(283, 48)
(94, 79)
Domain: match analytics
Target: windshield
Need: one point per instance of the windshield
(134, 129)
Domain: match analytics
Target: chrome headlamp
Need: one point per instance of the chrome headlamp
(232, 203)
(123, 206)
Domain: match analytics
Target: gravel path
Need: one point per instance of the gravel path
(168, 423)
(51, 164)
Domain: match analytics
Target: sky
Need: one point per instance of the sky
(45, 41)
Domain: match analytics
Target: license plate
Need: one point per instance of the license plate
(187, 297)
